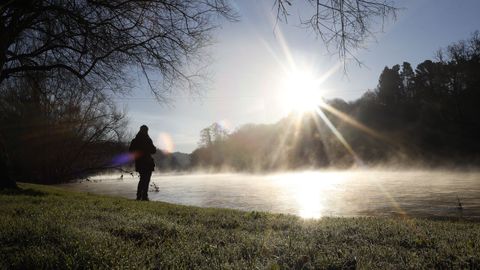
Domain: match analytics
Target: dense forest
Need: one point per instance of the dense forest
(427, 116)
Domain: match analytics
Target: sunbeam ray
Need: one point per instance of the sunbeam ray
(339, 136)
(288, 132)
(349, 120)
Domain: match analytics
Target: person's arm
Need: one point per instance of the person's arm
(132, 147)
(153, 149)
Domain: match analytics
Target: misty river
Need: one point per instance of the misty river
(311, 194)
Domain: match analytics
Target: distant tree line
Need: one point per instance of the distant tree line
(430, 114)
(171, 162)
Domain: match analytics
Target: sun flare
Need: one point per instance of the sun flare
(301, 91)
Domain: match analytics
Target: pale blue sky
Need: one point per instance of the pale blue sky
(246, 74)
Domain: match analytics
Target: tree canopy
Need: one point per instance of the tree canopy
(99, 41)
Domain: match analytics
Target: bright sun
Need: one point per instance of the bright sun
(300, 91)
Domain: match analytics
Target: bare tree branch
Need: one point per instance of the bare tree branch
(97, 40)
(342, 24)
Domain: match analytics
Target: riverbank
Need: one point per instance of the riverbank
(47, 227)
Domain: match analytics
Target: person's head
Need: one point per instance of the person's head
(143, 130)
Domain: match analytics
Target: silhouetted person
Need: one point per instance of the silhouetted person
(142, 147)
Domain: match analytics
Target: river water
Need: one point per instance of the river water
(312, 194)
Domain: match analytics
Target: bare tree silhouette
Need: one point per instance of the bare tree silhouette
(100, 40)
(345, 24)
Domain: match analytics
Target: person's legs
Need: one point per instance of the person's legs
(145, 183)
(140, 187)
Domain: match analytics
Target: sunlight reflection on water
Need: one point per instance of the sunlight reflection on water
(309, 190)
(312, 194)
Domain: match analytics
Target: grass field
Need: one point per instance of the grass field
(46, 227)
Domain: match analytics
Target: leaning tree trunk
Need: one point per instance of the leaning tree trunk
(6, 179)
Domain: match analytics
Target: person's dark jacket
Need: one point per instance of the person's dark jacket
(142, 147)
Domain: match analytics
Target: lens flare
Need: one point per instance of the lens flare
(227, 125)
(122, 159)
(165, 142)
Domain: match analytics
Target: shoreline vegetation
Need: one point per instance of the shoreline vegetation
(48, 227)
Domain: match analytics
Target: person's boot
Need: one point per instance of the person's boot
(145, 195)
(140, 190)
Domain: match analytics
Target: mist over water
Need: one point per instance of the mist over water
(313, 194)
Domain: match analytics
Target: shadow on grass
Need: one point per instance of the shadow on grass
(21, 191)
